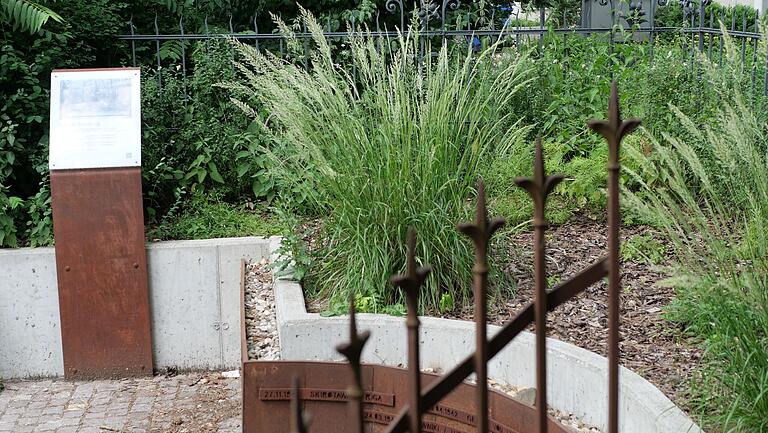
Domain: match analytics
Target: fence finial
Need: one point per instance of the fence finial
(299, 420)
(480, 232)
(539, 187)
(411, 283)
(613, 131)
(353, 352)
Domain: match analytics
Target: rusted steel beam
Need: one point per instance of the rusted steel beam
(322, 391)
(101, 264)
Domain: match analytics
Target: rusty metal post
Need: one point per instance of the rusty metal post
(613, 131)
(539, 187)
(353, 352)
(410, 283)
(480, 232)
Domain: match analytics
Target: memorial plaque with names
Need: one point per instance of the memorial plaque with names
(267, 395)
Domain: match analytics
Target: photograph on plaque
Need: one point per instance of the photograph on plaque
(95, 119)
(95, 98)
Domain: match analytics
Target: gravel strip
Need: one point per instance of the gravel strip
(260, 319)
(528, 396)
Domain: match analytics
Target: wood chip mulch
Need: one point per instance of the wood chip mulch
(651, 346)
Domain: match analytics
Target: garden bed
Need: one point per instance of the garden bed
(651, 345)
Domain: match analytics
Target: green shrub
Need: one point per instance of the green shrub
(400, 144)
(208, 217)
(644, 248)
(26, 60)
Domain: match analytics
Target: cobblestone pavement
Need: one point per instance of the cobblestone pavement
(207, 402)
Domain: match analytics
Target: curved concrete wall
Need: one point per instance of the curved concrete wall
(577, 378)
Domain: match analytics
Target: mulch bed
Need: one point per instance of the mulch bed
(650, 345)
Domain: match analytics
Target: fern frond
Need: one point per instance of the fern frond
(25, 15)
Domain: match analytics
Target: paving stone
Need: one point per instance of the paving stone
(146, 405)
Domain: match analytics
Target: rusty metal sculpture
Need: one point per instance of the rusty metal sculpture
(538, 187)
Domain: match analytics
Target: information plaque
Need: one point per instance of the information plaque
(95, 119)
(98, 223)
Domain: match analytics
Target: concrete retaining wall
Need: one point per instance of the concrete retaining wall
(194, 300)
(30, 337)
(577, 378)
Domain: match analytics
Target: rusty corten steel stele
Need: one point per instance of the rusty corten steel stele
(538, 187)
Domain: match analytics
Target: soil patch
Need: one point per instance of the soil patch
(652, 346)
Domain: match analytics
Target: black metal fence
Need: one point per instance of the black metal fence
(702, 33)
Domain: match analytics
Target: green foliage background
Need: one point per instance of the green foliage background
(696, 174)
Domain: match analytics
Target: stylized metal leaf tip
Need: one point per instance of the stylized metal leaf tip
(614, 129)
(413, 278)
(482, 229)
(540, 185)
(354, 348)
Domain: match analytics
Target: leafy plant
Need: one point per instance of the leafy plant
(399, 144)
(446, 303)
(208, 217)
(39, 231)
(25, 15)
(711, 202)
(294, 259)
(9, 206)
(644, 248)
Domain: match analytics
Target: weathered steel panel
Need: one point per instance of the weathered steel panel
(102, 272)
(323, 393)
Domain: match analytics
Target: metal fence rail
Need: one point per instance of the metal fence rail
(701, 34)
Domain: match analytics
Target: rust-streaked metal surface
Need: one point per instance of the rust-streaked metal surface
(101, 265)
(323, 395)
(243, 332)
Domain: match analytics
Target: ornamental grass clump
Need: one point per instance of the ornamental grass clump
(706, 188)
(388, 140)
